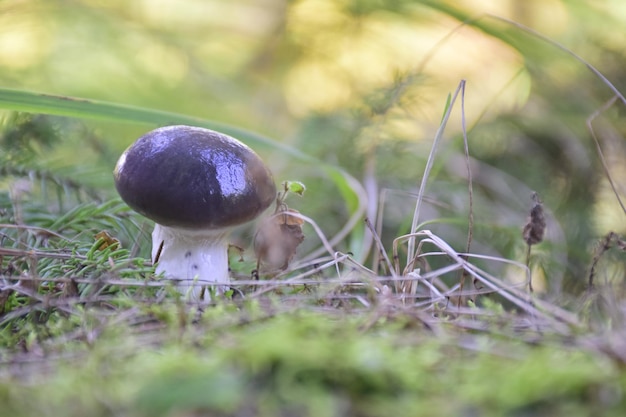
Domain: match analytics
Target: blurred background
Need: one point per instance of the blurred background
(361, 85)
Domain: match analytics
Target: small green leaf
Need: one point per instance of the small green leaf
(295, 187)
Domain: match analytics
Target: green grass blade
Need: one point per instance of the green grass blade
(428, 168)
(33, 102)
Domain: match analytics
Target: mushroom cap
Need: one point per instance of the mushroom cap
(193, 178)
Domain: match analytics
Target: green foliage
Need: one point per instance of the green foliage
(306, 364)
(24, 136)
(86, 328)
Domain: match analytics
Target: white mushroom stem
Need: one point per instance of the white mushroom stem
(194, 258)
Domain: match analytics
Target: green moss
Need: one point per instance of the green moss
(308, 364)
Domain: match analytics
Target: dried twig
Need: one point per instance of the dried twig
(534, 230)
(609, 241)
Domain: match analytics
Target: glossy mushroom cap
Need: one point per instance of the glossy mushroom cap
(194, 178)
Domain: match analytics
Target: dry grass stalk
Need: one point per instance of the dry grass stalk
(534, 230)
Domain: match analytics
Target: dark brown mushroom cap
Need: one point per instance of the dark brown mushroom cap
(189, 177)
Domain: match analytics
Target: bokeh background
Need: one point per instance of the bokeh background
(361, 85)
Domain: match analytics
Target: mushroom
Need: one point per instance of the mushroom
(196, 185)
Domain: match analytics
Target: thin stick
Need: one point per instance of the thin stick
(530, 278)
(356, 217)
(605, 166)
(564, 49)
(381, 248)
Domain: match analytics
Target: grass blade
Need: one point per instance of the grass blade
(32, 102)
